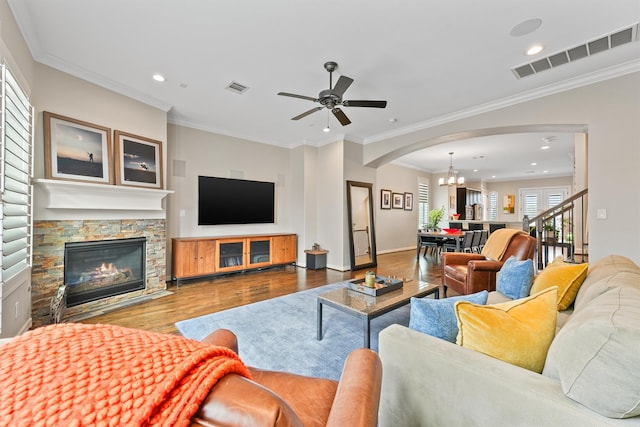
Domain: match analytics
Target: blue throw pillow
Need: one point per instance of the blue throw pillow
(437, 317)
(515, 278)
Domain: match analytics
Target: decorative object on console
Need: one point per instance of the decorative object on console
(138, 161)
(76, 150)
(437, 317)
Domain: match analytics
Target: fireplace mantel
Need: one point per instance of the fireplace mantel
(57, 195)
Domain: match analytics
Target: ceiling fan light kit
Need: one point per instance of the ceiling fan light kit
(332, 98)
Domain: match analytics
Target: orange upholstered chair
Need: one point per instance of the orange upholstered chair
(467, 273)
(273, 398)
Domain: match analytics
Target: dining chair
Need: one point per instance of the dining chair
(494, 227)
(430, 244)
(475, 243)
(475, 226)
(483, 239)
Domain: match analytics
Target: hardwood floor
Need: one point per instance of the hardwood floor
(197, 298)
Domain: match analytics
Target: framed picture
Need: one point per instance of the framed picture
(408, 201)
(138, 161)
(385, 199)
(398, 201)
(76, 150)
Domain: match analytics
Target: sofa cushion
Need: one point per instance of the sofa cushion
(515, 278)
(518, 332)
(596, 354)
(567, 277)
(437, 318)
(613, 271)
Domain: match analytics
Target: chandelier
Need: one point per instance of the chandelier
(452, 177)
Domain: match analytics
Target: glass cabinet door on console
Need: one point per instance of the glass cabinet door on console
(259, 252)
(230, 254)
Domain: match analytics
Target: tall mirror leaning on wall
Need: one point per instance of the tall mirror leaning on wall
(362, 240)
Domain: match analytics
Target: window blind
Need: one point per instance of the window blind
(493, 206)
(423, 205)
(16, 166)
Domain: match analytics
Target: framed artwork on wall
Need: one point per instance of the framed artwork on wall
(408, 201)
(138, 161)
(76, 150)
(385, 199)
(398, 201)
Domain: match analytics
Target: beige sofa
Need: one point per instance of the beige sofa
(591, 375)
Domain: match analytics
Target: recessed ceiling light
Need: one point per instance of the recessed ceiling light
(159, 78)
(535, 49)
(533, 163)
(393, 120)
(475, 170)
(545, 147)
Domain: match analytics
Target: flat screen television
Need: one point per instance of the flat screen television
(235, 201)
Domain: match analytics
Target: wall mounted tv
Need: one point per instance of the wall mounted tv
(235, 201)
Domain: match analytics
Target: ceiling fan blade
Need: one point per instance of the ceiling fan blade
(341, 116)
(293, 95)
(342, 85)
(306, 113)
(372, 104)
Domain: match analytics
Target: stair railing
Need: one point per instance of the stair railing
(563, 226)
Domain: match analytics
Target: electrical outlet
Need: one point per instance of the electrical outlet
(182, 212)
(601, 214)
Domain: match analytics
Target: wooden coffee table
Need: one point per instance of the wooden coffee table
(369, 307)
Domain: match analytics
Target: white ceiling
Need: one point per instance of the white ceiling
(430, 60)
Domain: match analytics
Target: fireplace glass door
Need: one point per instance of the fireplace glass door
(100, 269)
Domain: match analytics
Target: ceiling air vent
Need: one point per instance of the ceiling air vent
(584, 50)
(237, 87)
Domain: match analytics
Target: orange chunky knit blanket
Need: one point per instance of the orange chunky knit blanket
(101, 375)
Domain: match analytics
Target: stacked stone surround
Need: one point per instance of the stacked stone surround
(47, 274)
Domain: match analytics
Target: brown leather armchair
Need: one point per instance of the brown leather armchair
(282, 399)
(467, 273)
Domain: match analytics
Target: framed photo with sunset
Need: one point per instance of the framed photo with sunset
(76, 150)
(138, 161)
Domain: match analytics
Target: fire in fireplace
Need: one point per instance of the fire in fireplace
(100, 269)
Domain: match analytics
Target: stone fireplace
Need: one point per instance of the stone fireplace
(76, 214)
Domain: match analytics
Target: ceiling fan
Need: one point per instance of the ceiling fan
(332, 98)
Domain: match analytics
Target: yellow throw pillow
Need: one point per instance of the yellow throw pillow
(567, 277)
(518, 332)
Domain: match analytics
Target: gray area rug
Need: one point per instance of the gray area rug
(280, 333)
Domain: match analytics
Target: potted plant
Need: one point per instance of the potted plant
(435, 215)
(549, 230)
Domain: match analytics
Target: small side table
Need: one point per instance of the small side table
(317, 259)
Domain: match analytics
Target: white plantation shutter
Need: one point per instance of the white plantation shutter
(423, 204)
(17, 140)
(493, 206)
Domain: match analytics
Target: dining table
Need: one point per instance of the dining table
(444, 235)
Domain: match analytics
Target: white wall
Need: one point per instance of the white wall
(396, 228)
(194, 152)
(608, 111)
